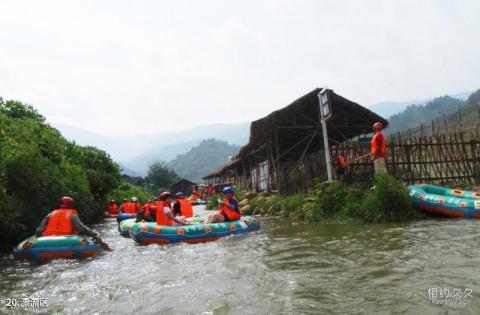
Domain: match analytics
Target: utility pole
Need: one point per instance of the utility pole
(325, 114)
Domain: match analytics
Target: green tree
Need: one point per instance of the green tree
(38, 166)
(160, 176)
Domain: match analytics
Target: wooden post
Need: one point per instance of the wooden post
(393, 166)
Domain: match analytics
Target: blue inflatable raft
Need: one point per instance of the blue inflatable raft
(446, 201)
(125, 216)
(152, 233)
(51, 247)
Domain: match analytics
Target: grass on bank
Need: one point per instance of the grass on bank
(388, 202)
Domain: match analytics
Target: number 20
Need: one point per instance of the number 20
(10, 302)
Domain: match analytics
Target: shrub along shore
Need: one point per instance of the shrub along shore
(388, 201)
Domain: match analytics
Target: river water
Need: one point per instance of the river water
(283, 269)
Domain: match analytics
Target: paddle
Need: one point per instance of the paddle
(104, 245)
(363, 156)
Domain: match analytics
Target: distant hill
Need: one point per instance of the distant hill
(166, 153)
(387, 109)
(135, 153)
(83, 137)
(202, 159)
(168, 145)
(414, 115)
(232, 133)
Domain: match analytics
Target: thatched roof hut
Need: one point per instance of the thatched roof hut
(183, 185)
(223, 170)
(297, 120)
(290, 133)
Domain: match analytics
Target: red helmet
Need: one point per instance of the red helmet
(378, 125)
(164, 195)
(66, 202)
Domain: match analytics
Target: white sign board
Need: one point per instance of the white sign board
(325, 109)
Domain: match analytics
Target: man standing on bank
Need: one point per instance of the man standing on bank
(378, 149)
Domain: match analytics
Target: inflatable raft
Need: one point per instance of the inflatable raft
(197, 220)
(151, 233)
(51, 247)
(111, 215)
(446, 201)
(125, 226)
(125, 216)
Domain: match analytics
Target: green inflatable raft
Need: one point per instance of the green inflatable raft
(51, 247)
(150, 232)
(125, 226)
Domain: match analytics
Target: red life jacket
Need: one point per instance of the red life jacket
(161, 217)
(130, 207)
(378, 145)
(112, 209)
(148, 209)
(185, 207)
(232, 215)
(341, 160)
(60, 223)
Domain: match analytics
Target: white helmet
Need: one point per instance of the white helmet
(134, 199)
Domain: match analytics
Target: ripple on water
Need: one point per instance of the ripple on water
(362, 269)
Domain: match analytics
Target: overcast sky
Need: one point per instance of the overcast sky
(119, 67)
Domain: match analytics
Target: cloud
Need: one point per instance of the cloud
(123, 67)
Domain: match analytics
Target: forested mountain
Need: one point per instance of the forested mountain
(141, 164)
(387, 109)
(414, 115)
(202, 159)
(167, 146)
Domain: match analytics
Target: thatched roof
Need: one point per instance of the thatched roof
(299, 123)
(183, 182)
(221, 171)
(348, 120)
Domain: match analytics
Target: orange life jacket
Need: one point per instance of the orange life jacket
(341, 160)
(232, 215)
(147, 209)
(185, 207)
(161, 217)
(60, 223)
(112, 209)
(378, 145)
(130, 207)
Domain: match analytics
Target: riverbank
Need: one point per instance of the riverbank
(338, 202)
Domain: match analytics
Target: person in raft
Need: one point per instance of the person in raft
(378, 149)
(147, 212)
(122, 205)
(131, 206)
(164, 214)
(182, 206)
(112, 207)
(228, 208)
(65, 221)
